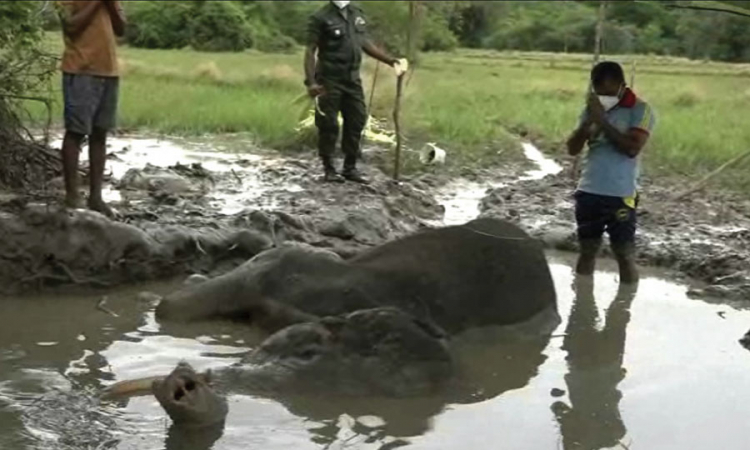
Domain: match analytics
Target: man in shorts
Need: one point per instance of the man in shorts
(616, 124)
(90, 90)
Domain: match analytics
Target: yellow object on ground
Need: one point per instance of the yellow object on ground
(375, 132)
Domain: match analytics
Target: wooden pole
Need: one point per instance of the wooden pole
(600, 30)
(598, 38)
(372, 89)
(705, 180)
(412, 44)
(414, 30)
(397, 124)
(369, 110)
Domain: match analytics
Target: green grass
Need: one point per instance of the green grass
(466, 101)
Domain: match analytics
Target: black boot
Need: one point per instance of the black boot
(329, 171)
(331, 176)
(355, 176)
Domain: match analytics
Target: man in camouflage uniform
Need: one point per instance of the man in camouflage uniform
(337, 35)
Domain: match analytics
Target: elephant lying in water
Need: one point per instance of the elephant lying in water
(375, 324)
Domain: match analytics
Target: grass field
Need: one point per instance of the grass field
(466, 101)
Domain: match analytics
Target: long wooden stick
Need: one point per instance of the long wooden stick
(372, 89)
(397, 124)
(597, 55)
(369, 110)
(705, 180)
(600, 30)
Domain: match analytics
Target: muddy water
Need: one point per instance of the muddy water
(461, 198)
(666, 373)
(230, 154)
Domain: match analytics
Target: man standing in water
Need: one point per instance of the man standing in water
(90, 89)
(616, 124)
(338, 34)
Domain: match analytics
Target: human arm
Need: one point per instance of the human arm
(313, 88)
(117, 16)
(629, 143)
(313, 39)
(376, 52)
(75, 20)
(580, 136)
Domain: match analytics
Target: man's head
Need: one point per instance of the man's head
(608, 79)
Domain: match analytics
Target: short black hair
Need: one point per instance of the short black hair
(607, 70)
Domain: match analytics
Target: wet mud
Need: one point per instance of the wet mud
(207, 205)
(705, 238)
(190, 210)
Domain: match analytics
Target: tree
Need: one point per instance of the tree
(24, 73)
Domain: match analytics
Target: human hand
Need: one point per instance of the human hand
(596, 109)
(315, 90)
(401, 66)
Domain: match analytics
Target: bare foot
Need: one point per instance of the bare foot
(101, 207)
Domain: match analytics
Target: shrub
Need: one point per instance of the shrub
(156, 25)
(219, 26)
(437, 35)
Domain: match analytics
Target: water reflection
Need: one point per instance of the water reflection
(47, 394)
(179, 438)
(491, 362)
(595, 354)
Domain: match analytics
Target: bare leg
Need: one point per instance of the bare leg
(71, 150)
(97, 159)
(625, 255)
(587, 257)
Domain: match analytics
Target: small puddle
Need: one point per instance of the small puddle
(245, 188)
(461, 198)
(667, 375)
(547, 166)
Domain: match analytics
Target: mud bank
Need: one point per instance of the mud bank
(191, 210)
(205, 206)
(704, 238)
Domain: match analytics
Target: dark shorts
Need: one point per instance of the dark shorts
(90, 102)
(596, 214)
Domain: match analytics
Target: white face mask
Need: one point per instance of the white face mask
(610, 101)
(341, 4)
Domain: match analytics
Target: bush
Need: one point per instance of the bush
(388, 22)
(219, 26)
(292, 17)
(437, 35)
(154, 25)
(267, 38)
